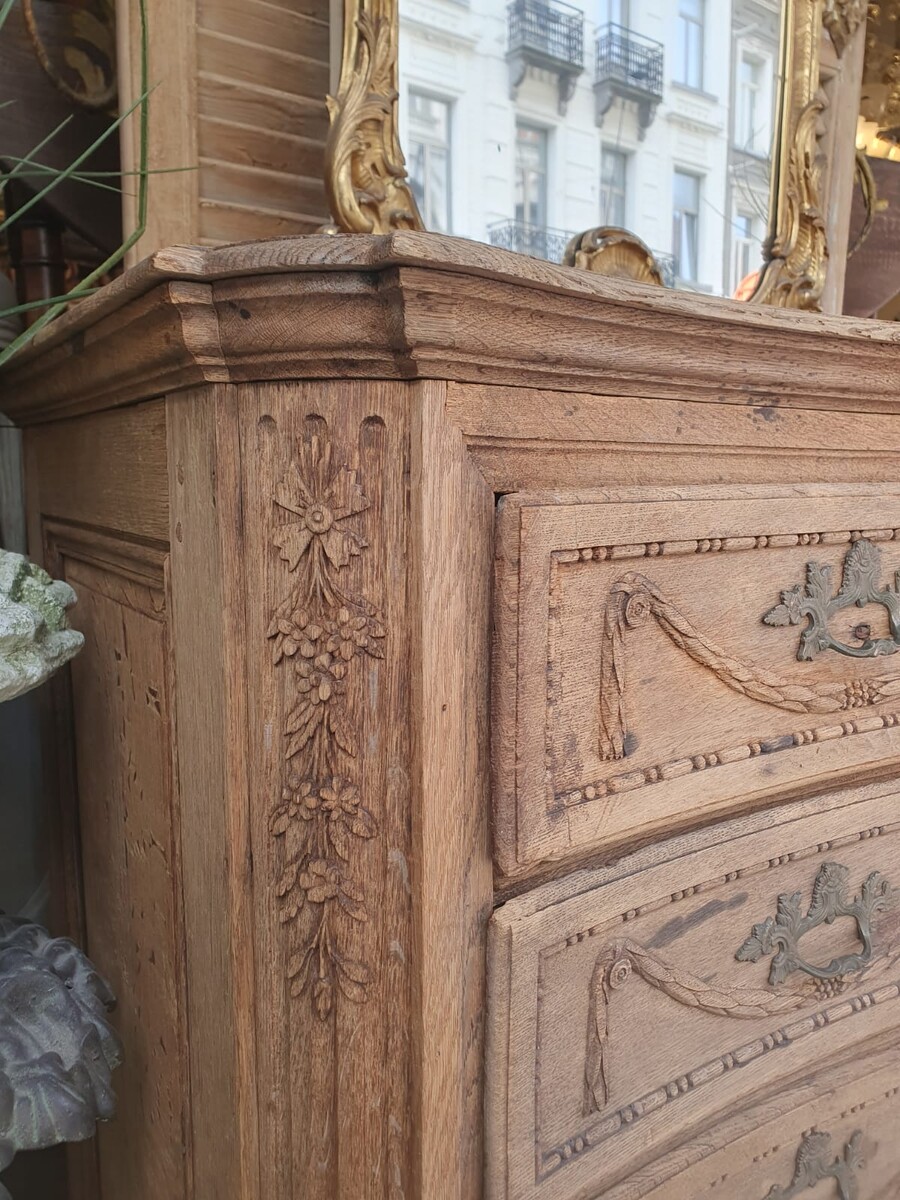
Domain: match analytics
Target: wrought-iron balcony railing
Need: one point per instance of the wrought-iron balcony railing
(548, 30)
(537, 240)
(548, 35)
(630, 59)
(629, 66)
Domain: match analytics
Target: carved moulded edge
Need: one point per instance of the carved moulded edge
(601, 1128)
(840, 727)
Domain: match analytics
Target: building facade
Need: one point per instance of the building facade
(526, 122)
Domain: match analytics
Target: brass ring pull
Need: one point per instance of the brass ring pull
(780, 935)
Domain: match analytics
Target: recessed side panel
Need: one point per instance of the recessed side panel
(665, 658)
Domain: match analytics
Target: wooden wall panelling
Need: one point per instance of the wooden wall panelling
(129, 494)
(127, 825)
(378, 929)
(237, 118)
(172, 152)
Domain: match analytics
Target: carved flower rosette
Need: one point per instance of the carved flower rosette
(322, 634)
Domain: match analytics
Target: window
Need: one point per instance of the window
(613, 187)
(531, 175)
(689, 43)
(429, 159)
(750, 131)
(614, 12)
(686, 225)
(745, 249)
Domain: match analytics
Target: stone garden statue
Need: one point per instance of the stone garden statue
(57, 1047)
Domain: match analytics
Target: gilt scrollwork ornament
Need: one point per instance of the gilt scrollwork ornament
(323, 634)
(815, 1162)
(797, 250)
(817, 603)
(781, 935)
(365, 172)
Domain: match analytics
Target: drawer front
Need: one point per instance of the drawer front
(664, 659)
(831, 1136)
(633, 1008)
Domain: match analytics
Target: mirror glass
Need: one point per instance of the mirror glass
(872, 286)
(526, 123)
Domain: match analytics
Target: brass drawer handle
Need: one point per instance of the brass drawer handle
(780, 935)
(814, 1163)
(859, 585)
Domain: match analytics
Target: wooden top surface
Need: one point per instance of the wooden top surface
(417, 305)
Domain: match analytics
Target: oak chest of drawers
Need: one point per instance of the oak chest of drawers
(480, 779)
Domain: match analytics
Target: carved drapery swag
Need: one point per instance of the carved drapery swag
(635, 600)
(322, 634)
(779, 936)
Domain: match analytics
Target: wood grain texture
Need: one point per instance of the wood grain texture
(172, 146)
(416, 305)
(128, 495)
(219, 1010)
(132, 902)
(371, 453)
(258, 69)
(612, 607)
(395, 1062)
(671, 1035)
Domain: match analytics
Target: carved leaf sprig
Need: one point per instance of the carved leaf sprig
(321, 633)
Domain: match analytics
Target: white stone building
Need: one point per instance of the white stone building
(526, 122)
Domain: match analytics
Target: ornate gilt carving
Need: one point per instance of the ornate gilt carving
(365, 172)
(781, 935)
(859, 586)
(322, 633)
(614, 252)
(794, 276)
(634, 600)
(814, 1163)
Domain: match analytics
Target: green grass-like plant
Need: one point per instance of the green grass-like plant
(48, 178)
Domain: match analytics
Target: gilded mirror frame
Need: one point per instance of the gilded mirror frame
(365, 171)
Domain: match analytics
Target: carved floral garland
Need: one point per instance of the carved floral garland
(322, 633)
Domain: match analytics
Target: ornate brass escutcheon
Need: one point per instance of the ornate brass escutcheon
(782, 933)
(817, 603)
(814, 1163)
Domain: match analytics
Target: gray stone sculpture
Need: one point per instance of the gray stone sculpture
(57, 1047)
(35, 639)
